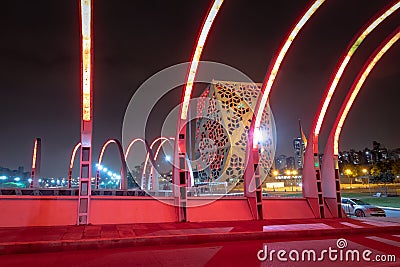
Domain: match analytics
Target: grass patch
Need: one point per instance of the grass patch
(393, 202)
(356, 195)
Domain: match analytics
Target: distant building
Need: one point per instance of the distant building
(281, 163)
(14, 173)
(394, 154)
(379, 153)
(367, 153)
(299, 149)
(290, 163)
(368, 156)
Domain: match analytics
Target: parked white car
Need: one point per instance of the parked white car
(359, 208)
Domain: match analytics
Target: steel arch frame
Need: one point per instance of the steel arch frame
(71, 163)
(330, 165)
(252, 179)
(123, 182)
(311, 169)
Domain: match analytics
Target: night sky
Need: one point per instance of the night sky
(40, 69)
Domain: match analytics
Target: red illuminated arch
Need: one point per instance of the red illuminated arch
(252, 177)
(149, 155)
(330, 168)
(123, 183)
(154, 158)
(180, 143)
(71, 163)
(131, 143)
(311, 172)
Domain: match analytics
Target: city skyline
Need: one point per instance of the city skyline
(131, 44)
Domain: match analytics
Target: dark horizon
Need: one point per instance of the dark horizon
(40, 69)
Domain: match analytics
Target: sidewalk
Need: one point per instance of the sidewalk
(388, 208)
(60, 238)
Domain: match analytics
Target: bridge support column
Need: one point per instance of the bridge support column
(87, 112)
(180, 173)
(331, 181)
(312, 184)
(252, 181)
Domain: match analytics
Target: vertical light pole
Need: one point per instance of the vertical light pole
(275, 173)
(289, 173)
(294, 173)
(365, 171)
(86, 111)
(348, 173)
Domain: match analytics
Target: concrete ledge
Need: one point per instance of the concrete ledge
(389, 208)
(67, 245)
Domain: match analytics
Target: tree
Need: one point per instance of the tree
(396, 167)
(351, 171)
(382, 173)
(135, 176)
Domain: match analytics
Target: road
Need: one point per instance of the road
(392, 213)
(244, 253)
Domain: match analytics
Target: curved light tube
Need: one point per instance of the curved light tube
(212, 13)
(119, 147)
(163, 140)
(71, 161)
(340, 69)
(128, 149)
(362, 76)
(123, 183)
(148, 152)
(155, 158)
(271, 75)
(103, 148)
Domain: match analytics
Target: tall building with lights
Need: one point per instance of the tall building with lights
(299, 149)
(280, 162)
(224, 115)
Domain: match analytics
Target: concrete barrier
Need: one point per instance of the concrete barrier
(20, 210)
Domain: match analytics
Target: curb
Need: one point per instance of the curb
(389, 208)
(67, 245)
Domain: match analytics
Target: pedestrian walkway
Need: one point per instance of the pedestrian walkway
(59, 238)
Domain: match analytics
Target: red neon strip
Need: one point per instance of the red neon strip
(341, 67)
(212, 13)
(271, 75)
(358, 83)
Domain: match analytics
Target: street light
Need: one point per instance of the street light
(291, 173)
(365, 171)
(294, 173)
(348, 173)
(275, 173)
